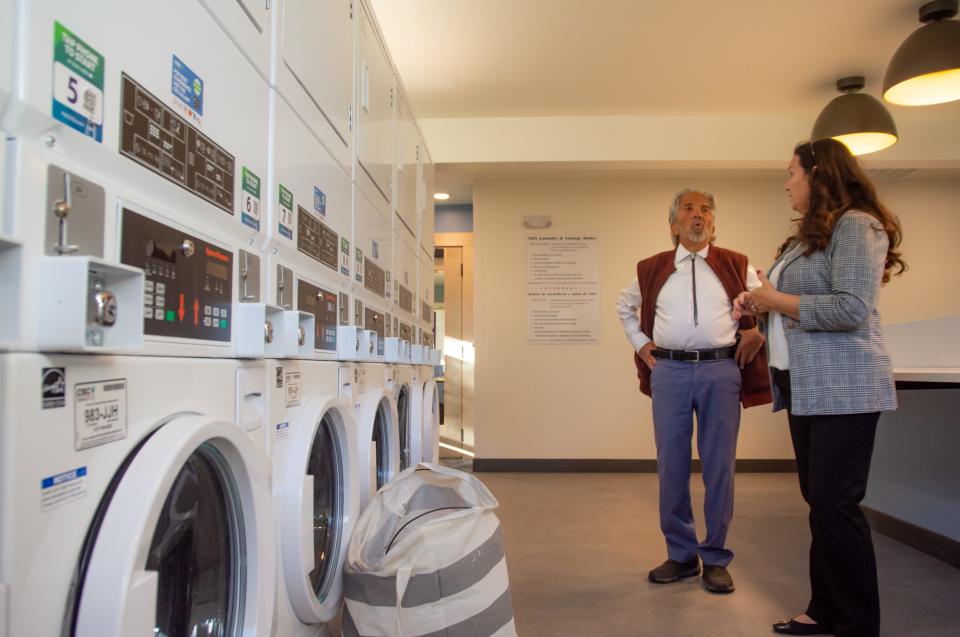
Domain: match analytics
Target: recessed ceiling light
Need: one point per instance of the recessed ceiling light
(441, 196)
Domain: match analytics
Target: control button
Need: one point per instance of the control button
(161, 288)
(160, 301)
(148, 299)
(223, 323)
(206, 310)
(148, 285)
(206, 321)
(158, 314)
(147, 312)
(171, 316)
(216, 311)
(223, 313)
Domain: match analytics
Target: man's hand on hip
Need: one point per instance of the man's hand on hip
(750, 343)
(646, 356)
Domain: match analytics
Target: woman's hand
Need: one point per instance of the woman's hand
(764, 297)
(742, 306)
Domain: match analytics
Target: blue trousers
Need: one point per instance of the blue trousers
(711, 390)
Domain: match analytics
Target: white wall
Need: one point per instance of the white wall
(582, 401)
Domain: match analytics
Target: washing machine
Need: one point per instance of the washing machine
(135, 502)
(175, 135)
(316, 488)
(377, 434)
(429, 420)
(312, 67)
(404, 389)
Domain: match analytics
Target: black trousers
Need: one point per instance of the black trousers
(833, 464)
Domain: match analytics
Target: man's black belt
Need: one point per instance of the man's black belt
(694, 355)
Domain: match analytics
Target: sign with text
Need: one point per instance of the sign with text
(563, 289)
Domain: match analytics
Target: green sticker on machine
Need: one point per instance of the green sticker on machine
(77, 83)
(250, 204)
(286, 213)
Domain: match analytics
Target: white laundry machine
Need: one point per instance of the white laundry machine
(309, 227)
(248, 24)
(175, 134)
(371, 287)
(134, 503)
(316, 488)
(377, 435)
(429, 420)
(404, 389)
(7, 21)
(313, 69)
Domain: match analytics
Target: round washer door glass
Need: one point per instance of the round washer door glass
(403, 413)
(196, 551)
(325, 466)
(381, 438)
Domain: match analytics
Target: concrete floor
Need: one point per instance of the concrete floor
(579, 547)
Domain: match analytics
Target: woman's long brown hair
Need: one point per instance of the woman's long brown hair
(837, 185)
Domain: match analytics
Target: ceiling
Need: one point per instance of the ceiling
(544, 58)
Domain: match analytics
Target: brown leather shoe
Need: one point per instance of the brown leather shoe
(671, 571)
(793, 627)
(717, 579)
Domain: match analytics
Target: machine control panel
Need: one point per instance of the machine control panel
(323, 305)
(316, 240)
(153, 135)
(375, 278)
(426, 312)
(406, 299)
(373, 320)
(188, 285)
(406, 332)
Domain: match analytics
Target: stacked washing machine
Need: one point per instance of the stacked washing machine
(202, 355)
(134, 488)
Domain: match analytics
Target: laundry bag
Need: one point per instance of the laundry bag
(426, 558)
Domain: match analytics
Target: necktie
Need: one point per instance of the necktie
(693, 274)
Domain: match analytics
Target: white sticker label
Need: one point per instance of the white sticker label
(282, 430)
(81, 95)
(100, 413)
(63, 488)
(291, 382)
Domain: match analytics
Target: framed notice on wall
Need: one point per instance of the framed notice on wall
(563, 289)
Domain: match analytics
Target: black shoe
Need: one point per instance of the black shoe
(791, 627)
(717, 579)
(671, 571)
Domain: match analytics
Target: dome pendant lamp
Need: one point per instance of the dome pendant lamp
(926, 68)
(859, 121)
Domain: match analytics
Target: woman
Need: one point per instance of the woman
(831, 372)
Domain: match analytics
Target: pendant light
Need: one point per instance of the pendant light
(859, 121)
(926, 68)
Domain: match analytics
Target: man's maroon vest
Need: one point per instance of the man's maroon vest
(731, 268)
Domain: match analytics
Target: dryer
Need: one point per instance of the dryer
(316, 489)
(175, 135)
(134, 502)
(377, 435)
(371, 287)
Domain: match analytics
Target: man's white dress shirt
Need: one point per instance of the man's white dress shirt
(674, 327)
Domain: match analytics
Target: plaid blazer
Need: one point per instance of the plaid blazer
(838, 361)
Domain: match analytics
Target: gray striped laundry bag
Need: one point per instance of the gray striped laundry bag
(426, 559)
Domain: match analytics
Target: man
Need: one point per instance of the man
(692, 357)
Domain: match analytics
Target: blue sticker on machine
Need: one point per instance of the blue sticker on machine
(60, 478)
(319, 201)
(187, 86)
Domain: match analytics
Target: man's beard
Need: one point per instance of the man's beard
(698, 235)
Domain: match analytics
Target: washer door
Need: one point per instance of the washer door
(430, 423)
(319, 503)
(377, 443)
(183, 546)
(403, 425)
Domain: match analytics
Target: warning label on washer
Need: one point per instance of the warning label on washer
(281, 430)
(100, 413)
(291, 382)
(63, 488)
